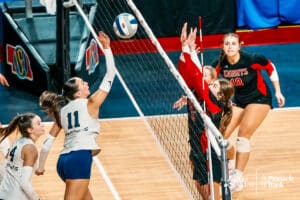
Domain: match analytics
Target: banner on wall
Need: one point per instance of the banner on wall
(289, 11)
(257, 14)
(20, 66)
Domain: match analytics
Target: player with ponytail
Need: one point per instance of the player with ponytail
(20, 162)
(76, 111)
(252, 100)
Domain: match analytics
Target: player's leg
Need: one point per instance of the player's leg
(253, 116)
(88, 195)
(203, 190)
(217, 191)
(200, 173)
(237, 113)
(76, 178)
(77, 189)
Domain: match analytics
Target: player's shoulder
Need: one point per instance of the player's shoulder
(253, 57)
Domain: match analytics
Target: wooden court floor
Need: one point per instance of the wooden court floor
(139, 171)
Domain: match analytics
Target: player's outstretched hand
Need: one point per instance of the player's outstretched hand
(104, 40)
(180, 103)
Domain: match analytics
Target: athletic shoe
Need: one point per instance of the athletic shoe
(236, 181)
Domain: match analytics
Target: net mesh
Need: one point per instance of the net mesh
(154, 89)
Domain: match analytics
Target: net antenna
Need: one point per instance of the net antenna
(209, 158)
(226, 193)
(95, 158)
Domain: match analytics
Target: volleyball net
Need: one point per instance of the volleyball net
(150, 78)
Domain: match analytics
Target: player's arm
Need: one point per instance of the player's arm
(262, 63)
(55, 129)
(29, 155)
(100, 95)
(272, 72)
(180, 103)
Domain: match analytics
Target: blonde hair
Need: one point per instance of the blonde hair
(212, 70)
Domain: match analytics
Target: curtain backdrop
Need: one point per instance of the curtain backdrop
(258, 14)
(167, 17)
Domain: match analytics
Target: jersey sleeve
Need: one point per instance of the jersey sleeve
(194, 78)
(185, 67)
(262, 63)
(25, 183)
(203, 93)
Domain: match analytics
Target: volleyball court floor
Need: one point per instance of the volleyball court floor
(138, 170)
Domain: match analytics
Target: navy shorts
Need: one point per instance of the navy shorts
(75, 165)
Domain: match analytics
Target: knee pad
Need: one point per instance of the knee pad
(242, 145)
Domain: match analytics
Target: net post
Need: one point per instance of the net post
(226, 192)
(62, 71)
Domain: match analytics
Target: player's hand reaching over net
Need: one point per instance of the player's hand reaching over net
(189, 38)
(104, 40)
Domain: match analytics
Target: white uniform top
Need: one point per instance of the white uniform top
(80, 128)
(10, 188)
(4, 146)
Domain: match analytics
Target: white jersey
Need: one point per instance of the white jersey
(80, 128)
(10, 186)
(4, 146)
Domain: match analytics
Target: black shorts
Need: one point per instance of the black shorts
(200, 171)
(242, 102)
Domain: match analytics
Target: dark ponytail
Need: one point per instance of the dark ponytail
(226, 93)
(69, 89)
(51, 103)
(221, 58)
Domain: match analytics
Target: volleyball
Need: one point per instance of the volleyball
(125, 25)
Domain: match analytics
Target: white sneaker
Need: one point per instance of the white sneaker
(231, 165)
(236, 180)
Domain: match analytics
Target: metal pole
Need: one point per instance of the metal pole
(226, 193)
(62, 71)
